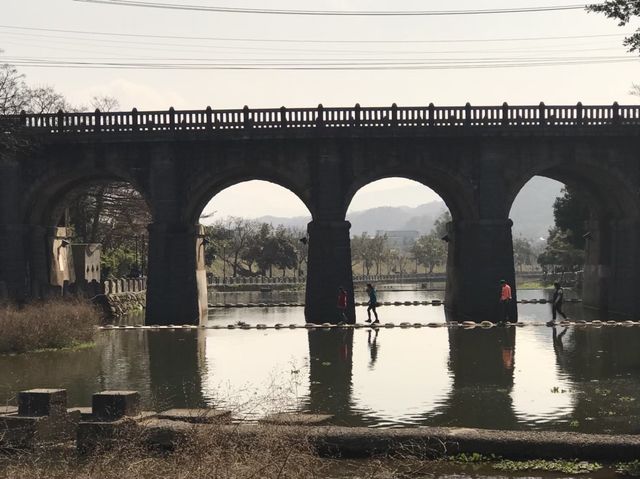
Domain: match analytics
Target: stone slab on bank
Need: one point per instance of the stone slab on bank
(429, 442)
(197, 416)
(296, 419)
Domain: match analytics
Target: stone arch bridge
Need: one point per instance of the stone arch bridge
(475, 158)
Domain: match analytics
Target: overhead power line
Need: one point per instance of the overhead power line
(291, 40)
(422, 64)
(359, 13)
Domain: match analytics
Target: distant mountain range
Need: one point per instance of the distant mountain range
(532, 214)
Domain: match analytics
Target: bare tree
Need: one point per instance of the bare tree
(105, 103)
(12, 90)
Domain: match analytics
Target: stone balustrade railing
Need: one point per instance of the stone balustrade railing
(431, 116)
(374, 278)
(124, 285)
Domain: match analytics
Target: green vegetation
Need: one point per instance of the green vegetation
(566, 241)
(556, 465)
(240, 247)
(624, 12)
(630, 469)
(47, 325)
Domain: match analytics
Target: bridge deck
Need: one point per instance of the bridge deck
(503, 116)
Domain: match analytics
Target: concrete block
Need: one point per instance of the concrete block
(27, 431)
(95, 432)
(113, 405)
(197, 416)
(296, 419)
(42, 402)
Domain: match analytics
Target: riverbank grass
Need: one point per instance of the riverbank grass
(49, 325)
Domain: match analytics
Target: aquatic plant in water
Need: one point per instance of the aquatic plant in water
(556, 465)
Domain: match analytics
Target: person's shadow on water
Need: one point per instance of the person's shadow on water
(372, 342)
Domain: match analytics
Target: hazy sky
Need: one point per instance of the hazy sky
(458, 41)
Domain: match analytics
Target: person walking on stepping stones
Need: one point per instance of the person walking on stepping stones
(373, 303)
(342, 306)
(556, 302)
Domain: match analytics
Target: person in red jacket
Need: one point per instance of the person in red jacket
(342, 306)
(505, 301)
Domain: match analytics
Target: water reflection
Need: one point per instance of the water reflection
(575, 378)
(482, 368)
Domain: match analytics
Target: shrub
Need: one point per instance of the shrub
(47, 325)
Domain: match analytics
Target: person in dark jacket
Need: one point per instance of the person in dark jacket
(373, 303)
(556, 302)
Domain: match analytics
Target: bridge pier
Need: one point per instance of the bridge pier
(176, 282)
(329, 266)
(612, 267)
(13, 273)
(480, 255)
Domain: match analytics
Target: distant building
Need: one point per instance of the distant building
(400, 239)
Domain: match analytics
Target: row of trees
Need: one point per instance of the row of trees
(241, 247)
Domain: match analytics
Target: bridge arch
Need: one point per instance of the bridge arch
(612, 229)
(455, 191)
(47, 233)
(610, 194)
(209, 185)
(45, 199)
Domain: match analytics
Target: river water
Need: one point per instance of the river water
(532, 377)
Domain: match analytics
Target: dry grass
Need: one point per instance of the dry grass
(47, 325)
(207, 452)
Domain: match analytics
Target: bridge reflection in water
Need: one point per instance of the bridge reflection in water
(581, 378)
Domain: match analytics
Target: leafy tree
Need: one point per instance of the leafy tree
(566, 242)
(218, 239)
(571, 212)
(302, 251)
(286, 257)
(430, 251)
(397, 261)
(440, 224)
(360, 251)
(378, 250)
(522, 252)
(559, 252)
(623, 11)
(258, 249)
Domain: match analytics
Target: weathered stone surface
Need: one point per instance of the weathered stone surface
(112, 405)
(477, 165)
(42, 402)
(27, 431)
(197, 416)
(299, 419)
(94, 432)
